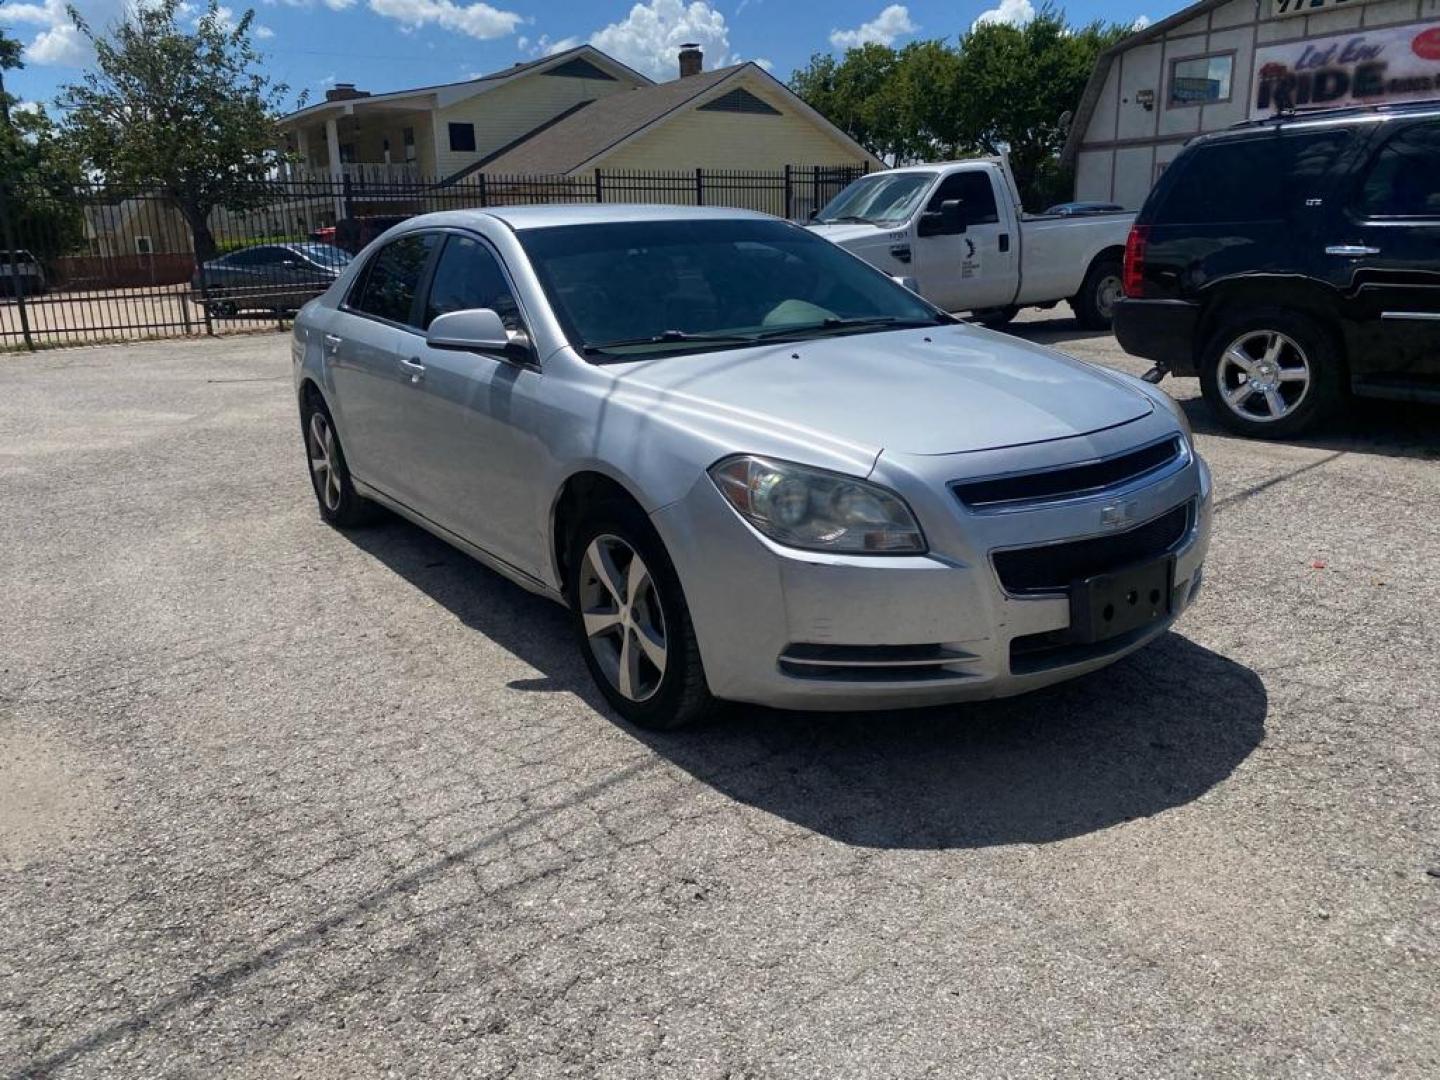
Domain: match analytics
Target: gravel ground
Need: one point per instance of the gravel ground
(278, 801)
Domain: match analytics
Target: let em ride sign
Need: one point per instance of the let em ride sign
(1362, 67)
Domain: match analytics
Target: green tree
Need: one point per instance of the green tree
(1017, 83)
(39, 174)
(999, 89)
(183, 112)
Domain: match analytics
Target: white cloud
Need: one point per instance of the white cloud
(890, 24)
(649, 38)
(1141, 23)
(478, 20)
(61, 45)
(1011, 12)
(264, 33)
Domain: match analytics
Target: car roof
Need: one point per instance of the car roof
(540, 217)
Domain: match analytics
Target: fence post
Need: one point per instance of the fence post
(789, 196)
(599, 191)
(699, 187)
(15, 286)
(484, 194)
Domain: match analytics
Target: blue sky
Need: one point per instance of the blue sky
(393, 44)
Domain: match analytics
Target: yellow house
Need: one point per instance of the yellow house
(566, 116)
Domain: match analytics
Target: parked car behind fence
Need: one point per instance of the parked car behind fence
(268, 277)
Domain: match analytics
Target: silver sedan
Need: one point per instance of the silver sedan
(752, 467)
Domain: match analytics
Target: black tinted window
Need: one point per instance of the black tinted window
(392, 278)
(467, 275)
(1404, 178)
(462, 138)
(1225, 182)
(977, 192)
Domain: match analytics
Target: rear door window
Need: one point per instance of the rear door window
(388, 288)
(1221, 183)
(1403, 180)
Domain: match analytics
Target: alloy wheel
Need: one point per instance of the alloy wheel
(1263, 376)
(624, 622)
(324, 461)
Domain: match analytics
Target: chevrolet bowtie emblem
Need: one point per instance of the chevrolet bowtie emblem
(1117, 515)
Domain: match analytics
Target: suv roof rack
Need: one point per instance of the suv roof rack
(1327, 112)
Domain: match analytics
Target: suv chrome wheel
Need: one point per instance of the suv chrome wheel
(624, 622)
(1263, 376)
(323, 460)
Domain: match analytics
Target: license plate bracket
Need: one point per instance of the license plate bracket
(1109, 605)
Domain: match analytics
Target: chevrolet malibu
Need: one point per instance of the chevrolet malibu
(750, 465)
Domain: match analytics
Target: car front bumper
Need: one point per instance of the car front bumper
(806, 630)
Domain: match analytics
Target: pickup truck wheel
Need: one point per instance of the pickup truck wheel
(995, 318)
(1270, 373)
(632, 623)
(1094, 304)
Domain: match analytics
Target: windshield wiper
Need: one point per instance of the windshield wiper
(888, 322)
(662, 338)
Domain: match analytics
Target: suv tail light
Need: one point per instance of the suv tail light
(1133, 278)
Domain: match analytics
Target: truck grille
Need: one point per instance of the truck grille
(1053, 567)
(1070, 481)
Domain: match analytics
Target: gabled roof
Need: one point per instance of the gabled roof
(458, 91)
(1091, 96)
(581, 138)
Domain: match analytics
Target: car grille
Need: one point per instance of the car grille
(1071, 481)
(1053, 567)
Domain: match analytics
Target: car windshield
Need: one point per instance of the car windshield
(884, 198)
(633, 289)
(324, 254)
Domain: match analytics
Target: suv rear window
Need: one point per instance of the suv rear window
(1231, 181)
(1404, 179)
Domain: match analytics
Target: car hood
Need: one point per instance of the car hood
(942, 390)
(858, 234)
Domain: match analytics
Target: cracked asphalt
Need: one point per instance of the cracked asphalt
(278, 801)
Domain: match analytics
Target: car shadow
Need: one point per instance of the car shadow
(1053, 329)
(1362, 426)
(1153, 732)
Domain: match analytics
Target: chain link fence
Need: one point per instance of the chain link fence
(97, 263)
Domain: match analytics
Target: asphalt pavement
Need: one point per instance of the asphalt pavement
(280, 801)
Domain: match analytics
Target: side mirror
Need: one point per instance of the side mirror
(906, 282)
(949, 220)
(478, 330)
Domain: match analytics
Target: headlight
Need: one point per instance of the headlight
(822, 511)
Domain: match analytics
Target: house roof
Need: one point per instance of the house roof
(469, 87)
(586, 134)
(1091, 96)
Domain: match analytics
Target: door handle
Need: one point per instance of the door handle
(1352, 250)
(414, 367)
(332, 342)
(1004, 242)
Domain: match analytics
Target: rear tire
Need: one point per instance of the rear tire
(996, 318)
(632, 623)
(1094, 304)
(340, 505)
(1271, 373)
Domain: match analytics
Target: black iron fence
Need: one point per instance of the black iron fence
(100, 264)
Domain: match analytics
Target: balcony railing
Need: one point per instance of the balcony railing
(362, 173)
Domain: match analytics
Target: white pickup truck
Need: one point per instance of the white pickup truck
(958, 231)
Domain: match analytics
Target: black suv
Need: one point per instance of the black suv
(1288, 261)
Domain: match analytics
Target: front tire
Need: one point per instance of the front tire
(1270, 373)
(340, 505)
(1094, 304)
(631, 621)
